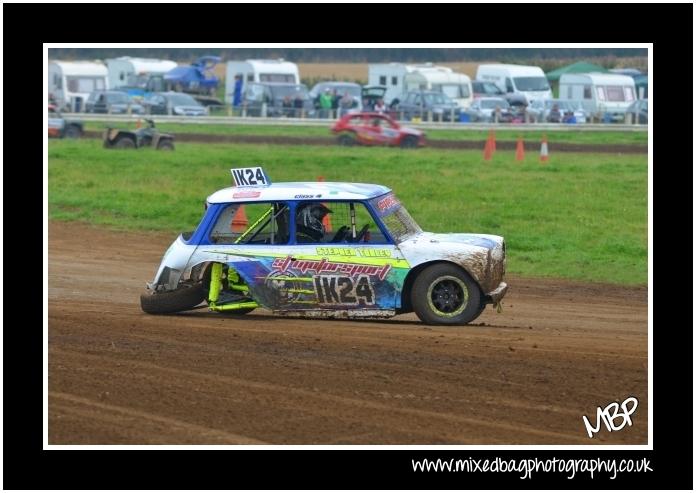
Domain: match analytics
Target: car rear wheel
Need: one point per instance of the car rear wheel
(125, 143)
(444, 294)
(346, 140)
(179, 300)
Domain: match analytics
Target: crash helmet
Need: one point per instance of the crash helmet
(310, 219)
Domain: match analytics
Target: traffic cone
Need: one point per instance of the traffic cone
(519, 153)
(239, 221)
(326, 221)
(138, 123)
(488, 149)
(544, 156)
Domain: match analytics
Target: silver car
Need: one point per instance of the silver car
(557, 111)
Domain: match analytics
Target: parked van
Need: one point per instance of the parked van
(393, 77)
(259, 71)
(69, 83)
(606, 94)
(135, 72)
(456, 86)
(524, 80)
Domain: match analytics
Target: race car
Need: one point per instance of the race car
(329, 250)
(375, 129)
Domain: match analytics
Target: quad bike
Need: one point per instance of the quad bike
(115, 138)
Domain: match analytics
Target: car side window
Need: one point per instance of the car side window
(252, 224)
(336, 222)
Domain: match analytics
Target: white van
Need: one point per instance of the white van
(393, 77)
(525, 80)
(134, 72)
(600, 93)
(456, 86)
(69, 83)
(259, 71)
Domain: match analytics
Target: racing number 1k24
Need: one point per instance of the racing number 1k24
(342, 290)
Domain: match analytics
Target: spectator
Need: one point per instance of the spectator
(237, 100)
(287, 106)
(299, 104)
(334, 102)
(346, 103)
(379, 106)
(325, 103)
(554, 115)
(569, 117)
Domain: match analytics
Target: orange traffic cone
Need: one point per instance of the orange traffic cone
(138, 123)
(489, 148)
(239, 221)
(327, 220)
(544, 156)
(519, 153)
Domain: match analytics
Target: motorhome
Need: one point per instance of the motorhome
(259, 71)
(393, 77)
(525, 81)
(69, 83)
(601, 93)
(135, 72)
(456, 86)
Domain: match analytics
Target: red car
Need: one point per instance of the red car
(375, 129)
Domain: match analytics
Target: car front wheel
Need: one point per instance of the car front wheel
(444, 294)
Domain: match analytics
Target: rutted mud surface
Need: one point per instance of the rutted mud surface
(525, 376)
(437, 144)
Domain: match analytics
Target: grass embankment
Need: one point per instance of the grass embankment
(581, 216)
(575, 137)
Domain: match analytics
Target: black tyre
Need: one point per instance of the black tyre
(409, 142)
(179, 300)
(124, 143)
(444, 294)
(73, 132)
(346, 140)
(165, 145)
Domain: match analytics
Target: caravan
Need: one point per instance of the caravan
(606, 94)
(259, 71)
(392, 76)
(69, 83)
(523, 80)
(456, 86)
(134, 73)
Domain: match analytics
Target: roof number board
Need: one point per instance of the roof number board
(250, 177)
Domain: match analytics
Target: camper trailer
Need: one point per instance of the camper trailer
(456, 86)
(69, 83)
(525, 81)
(259, 71)
(601, 94)
(133, 73)
(393, 77)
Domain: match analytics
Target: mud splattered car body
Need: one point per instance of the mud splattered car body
(368, 259)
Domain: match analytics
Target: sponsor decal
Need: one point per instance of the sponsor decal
(247, 194)
(324, 265)
(387, 202)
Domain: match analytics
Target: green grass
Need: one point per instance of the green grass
(581, 216)
(577, 137)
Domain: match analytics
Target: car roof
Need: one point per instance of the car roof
(299, 191)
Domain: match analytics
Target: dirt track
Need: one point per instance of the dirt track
(525, 376)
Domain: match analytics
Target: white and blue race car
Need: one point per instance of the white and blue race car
(332, 250)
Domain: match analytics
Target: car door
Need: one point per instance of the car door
(352, 265)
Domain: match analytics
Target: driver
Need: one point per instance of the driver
(309, 222)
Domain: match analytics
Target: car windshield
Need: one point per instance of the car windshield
(491, 104)
(279, 92)
(183, 100)
(436, 98)
(395, 217)
(490, 88)
(456, 91)
(532, 83)
(118, 97)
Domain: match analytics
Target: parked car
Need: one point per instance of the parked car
(116, 102)
(639, 110)
(59, 127)
(372, 94)
(115, 138)
(485, 89)
(421, 104)
(173, 103)
(279, 98)
(375, 129)
(541, 111)
(197, 78)
(483, 110)
(323, 249)
(341, 88)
